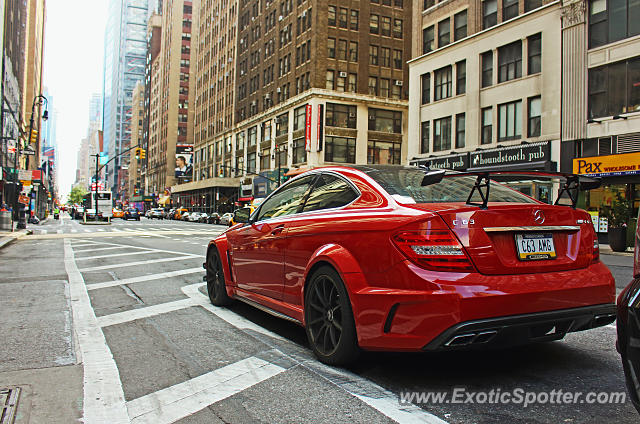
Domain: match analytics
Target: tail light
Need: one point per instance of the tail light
(433, 247)
(596, 250)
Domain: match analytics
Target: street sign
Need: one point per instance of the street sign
(28, 150)
(25, 174)
(23, 199)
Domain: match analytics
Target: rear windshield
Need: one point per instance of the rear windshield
(405, 185)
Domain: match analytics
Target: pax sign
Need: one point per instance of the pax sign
(612, 165)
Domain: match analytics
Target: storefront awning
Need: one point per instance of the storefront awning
(245, 199)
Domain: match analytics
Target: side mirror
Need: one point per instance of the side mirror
(241, 215)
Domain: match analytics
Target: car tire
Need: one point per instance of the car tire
(216, 286)
(329, 323)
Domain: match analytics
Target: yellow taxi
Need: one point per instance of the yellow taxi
(117, 213)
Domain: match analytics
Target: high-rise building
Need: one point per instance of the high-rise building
(316, 82)
(485, 78)
(124, 64)
(134, 181)
(171, 129)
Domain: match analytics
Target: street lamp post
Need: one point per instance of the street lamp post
(39, 100)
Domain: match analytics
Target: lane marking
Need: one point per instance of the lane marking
(73, 230)
(59, 231)
(149, 311)
(377, 397)
(103, 400)
(111, 248)
(113, 255)
(183, 399)
(143, 278)
(150, 261)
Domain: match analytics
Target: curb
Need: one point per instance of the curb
(6, 240)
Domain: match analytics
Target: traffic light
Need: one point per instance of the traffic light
(34, 136)
(143, 153)
(137, 152)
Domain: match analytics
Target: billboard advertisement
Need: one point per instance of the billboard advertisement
(184, 162)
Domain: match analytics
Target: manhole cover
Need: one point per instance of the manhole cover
(8, 404)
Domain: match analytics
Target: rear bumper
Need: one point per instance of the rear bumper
(522, 329)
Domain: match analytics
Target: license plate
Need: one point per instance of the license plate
(535, 246)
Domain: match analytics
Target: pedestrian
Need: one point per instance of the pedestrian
(3, 208)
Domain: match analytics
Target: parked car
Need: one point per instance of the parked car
(204, 218)
(168, 214)
(178, 213)
(213, 218)
(156, 213)
(226, 218)
(194, 217)
(91, 215)
(185, 216)
(131, 213)
(78, 212)
(117, 213)
(628, 326)
(147, 213)
(403, 258)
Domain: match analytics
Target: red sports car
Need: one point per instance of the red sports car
(409, 259)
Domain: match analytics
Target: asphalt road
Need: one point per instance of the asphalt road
(155, 350)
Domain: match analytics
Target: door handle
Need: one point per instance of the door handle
(277, 230)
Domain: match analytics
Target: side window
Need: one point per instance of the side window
(287, 201)
(329, 192)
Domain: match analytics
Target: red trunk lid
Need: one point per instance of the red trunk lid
(489, 236)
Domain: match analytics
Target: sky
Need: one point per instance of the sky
(73, 56)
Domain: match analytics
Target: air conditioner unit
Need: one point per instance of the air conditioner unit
(278, 89)
(304, 13)
(343, 74)
(399, 83)
(254, 103)
(280, 18)
(266, 96)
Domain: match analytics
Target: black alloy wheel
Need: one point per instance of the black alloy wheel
(329, 319)
(216, 287)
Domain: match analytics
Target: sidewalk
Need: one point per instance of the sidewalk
(7, 237)
(606, 250)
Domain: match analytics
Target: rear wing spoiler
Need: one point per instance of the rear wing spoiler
(571, 184)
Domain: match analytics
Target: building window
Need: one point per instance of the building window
(509, 9)
(489, 13)
(534, 111)
(373, 86)
(442, 84)
(265, 159)
(385, 57)
(388, 121)
(510, 61)
(253, 135)
(352, 83)
(251, 163)
(355, 18)
(384, 87)
(282, 124)
(373, 55)
(299, 152)
(461, 77)
(383, 152)
(341, 81)
(331, 48)
(427, 4)
(612, 20)
(534, 48)
(442, 134)
(487, 125)
(331, 13)
(460, 130)
(444, 32)
(397, 59)
(342, 17)
(424, 137)
(385, 26)
(374, 24)
(460, 25)
(529, 5)
(397, 28)
(299, 117)
(427, 39)
(509, 121)
(487, 69)
(342, 50)
(353, 51)
(329, 85)
(339, 115)
(425, 80)
(614, 88)
(340, 149)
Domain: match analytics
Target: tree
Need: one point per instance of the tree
(76, 195)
